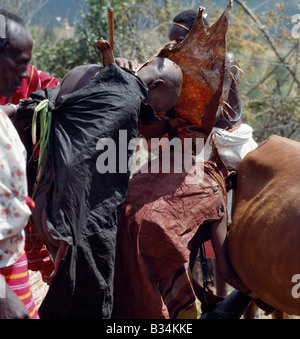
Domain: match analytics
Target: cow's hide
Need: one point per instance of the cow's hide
(264, 239)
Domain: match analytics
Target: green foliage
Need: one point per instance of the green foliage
(141, 28)
(59, 56)
(270, 92)
(55, 57)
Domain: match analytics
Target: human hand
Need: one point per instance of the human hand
(9, 109)
(58, 258)
(131, 65)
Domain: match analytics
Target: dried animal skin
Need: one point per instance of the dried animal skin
(201, 56)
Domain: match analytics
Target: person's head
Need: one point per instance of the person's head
(164, 81)
(182, 24)
(231, 159)
(15, 52)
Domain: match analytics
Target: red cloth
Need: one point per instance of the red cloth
(160, 216)
(177, 291)
(17, 279)
(38, 256)
(209, 250)
(37, 80)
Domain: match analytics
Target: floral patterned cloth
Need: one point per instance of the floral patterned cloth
(14, 212)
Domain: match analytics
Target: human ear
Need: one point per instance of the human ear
(231, 180)
(157, 84)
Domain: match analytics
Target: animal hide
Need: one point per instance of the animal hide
(264, 237)
(201, 57)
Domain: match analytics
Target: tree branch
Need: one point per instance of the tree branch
(269, 38)
(270, 73)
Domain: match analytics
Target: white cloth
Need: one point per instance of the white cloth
(240, 140)
(14, 212)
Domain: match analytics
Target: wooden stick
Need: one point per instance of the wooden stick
(111, 27)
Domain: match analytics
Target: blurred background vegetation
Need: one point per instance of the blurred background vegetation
(259, 36)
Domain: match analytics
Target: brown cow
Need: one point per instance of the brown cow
(264, 239)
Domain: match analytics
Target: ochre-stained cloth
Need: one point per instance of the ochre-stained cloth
(159, 218)
(201, 57)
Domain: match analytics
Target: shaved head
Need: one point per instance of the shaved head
(230, 158)
(169, 71)
(164, 79)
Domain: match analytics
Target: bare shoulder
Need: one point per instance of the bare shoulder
(76, 78)
(77, 72)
